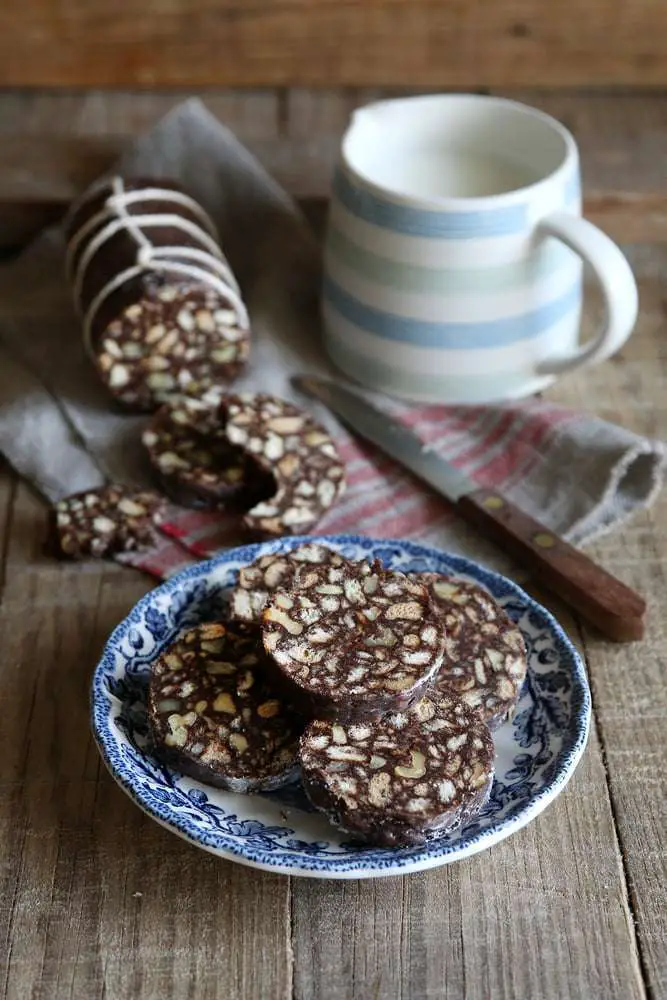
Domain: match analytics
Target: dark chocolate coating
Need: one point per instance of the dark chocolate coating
(119, 252)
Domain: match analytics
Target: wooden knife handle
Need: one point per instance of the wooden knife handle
(588, 589)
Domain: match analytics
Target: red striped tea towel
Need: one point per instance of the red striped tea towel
(578, 474)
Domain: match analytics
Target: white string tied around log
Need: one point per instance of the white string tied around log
(115, 218)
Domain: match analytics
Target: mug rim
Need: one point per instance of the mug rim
(452, 202)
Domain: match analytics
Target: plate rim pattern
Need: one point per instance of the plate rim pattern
(254, 850)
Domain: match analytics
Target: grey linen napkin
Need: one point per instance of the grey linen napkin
(578, 474)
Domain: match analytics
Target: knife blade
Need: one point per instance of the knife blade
(589, 589)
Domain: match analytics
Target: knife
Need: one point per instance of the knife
(596, 595)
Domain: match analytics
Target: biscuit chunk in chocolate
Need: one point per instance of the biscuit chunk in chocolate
(194, 462)
(289, 445)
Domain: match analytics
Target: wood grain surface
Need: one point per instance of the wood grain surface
(97, 901)
(630, 685)
(203, 43)
(53, 144)
(516, 921)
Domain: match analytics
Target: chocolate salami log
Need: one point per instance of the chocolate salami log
(485, 660)
(353, 642)
(160, 307)
(398, 780)
(214, 715)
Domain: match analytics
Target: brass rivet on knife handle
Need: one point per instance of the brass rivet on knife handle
(493, 502)
(544, 540)
(591, 592)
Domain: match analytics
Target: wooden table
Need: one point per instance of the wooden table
(99, 901)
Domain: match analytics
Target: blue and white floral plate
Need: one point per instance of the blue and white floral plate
(536, 753)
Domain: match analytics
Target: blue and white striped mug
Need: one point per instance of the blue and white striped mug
(453, 264)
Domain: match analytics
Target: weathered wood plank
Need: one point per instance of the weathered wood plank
(627, 218)
(118, 113)
(96, 899)
(629, 685)
(464, 43)
(540, 914)
(85, 130)
(56, 143)
(622, 135)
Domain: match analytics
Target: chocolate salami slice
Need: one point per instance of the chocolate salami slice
(288, 444)
(257, 581)
(160, 307)
(195, 463)
(215, 716)
(402, 779)
(353, 641)
(485, 660)
(107, 521)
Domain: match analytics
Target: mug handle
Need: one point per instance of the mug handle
(616, 279)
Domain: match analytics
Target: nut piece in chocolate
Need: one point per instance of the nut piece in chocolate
(215, 716)
(257, 581)
(107, 521)
(194, 462)
(160, 308)
(402, 779)
(485, 660)
(353, 641)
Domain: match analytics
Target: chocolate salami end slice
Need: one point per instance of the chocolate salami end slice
(301, 457)
(107, 522)
(402, 779)
(257, 581)
(174, 336)
(485, 659)
(352, 640)
(216, 717)
(195, 463)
